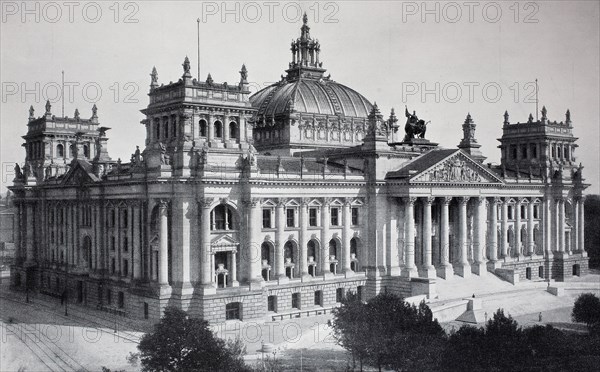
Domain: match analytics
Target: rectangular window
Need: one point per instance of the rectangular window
(125, 268)
(272, 303)
(124, 216)
(354, 216)
(335, 216)
(121, 300)
(536, 211)
(125, 243)
(339, 294)
(146, 310)
(108, 296)
(112, 243)
(523, 213)
(318, 298)
(312, 217)
(112, 265)
(266, 218)
(296, 300)
(290, 220)
(359, 292)
(232, 311)
(510, 212)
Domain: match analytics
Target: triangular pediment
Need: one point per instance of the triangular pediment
(224, 241)
(77, 175)
(458, 167)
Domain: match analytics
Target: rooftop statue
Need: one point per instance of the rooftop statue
(415, 127)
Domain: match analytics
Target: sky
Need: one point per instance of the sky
(442, 59)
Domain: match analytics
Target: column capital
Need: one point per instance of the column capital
(497, 200)
(429, 200)
(480, 199)
(162, 203)
(205, 203)
(281, 202)
(347, 202)
(446, 200)
(464, 199)
(255, 202)
(326, 201)
(409, 199)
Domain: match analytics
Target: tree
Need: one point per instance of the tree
(587, 310)
(501, 346)
(389, 332)
(182, 343)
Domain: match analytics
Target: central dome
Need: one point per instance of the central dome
(310, 96)
(306, 110)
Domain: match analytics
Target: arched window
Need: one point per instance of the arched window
(202, 125)
(156, 129)
(333, 248)
(353, 247)
(60, 151)
(218, 129)
(165, 127)
(86, 253)
(311, 250)
(222, 218)
(288, 251)
(174, 126)
(233, 132)
(265, 252)
(86, 151)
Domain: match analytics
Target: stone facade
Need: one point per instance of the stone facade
(227, 223)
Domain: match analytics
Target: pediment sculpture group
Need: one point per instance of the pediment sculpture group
(455, 170)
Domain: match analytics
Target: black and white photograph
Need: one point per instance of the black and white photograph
(266, 186)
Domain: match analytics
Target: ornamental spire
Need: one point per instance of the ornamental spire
(305, 54)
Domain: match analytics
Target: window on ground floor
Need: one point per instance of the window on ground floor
(296, 300)
(121, 300)
(272, 303)
(318, 298)
(339, 295)
(232, 311)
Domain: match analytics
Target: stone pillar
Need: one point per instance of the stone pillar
(445, 270)
(325, 221)
(303, 269)
(561, 225)
(254, 258)
(29, 230)
(547, 216)
(206, 270)
(233, 270)
(346, 236)
(493, 233)
(225, 128)
(518, 246)
(428, 269)
(479, 242)
(504, 235)
(18, 229)
(581, 226)
(464, 268)
(410, 269)
(135, 243)
(210, 128)
(280, 241)
(242, 128)
(575, 231)
(163, 272)
(530, 225)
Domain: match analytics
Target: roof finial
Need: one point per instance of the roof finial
(243, 74)
(31, 113)
(153, 78)
(186, 68)
(305, 19)
(48, 107)
(94, 112)
(568, 117)
(209, 80)
(506, 122)
(76, 114)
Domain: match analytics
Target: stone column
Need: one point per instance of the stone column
(135, 246)
(479, 242)
(547, 218)
(530, 225)
(493, 233)
(206, 270)
(561, 224)
(254, 258)
(518, 245)
(279, 242)
(18, 229)
(575, 231)
(242, 128)
(410, 270)
(347, 236)
(233, 270)
(464, 268)
(581, 227)
(303, 269)
(428, 269)
(29, 230)
(226, 127)
(163, 272)
(504, 235)
(210, 128)
(325, 221)
(445, 270)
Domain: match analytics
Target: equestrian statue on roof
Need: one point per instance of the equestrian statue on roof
(415, 127)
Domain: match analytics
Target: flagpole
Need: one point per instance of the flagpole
(62, 93)
(536, 100)
(198, 21)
